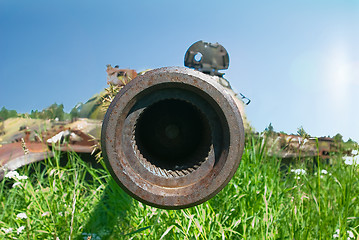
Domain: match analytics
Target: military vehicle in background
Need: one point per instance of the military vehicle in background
(31, 140)
(289, 146)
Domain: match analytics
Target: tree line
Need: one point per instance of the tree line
(5, 114)
(54, 111)
(338, 138)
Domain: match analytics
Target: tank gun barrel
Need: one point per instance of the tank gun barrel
(173, 137)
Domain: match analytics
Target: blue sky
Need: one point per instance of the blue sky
(298, 61)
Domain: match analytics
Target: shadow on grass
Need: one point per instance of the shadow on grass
(109, 216)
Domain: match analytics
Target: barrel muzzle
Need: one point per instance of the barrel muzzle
(173, 137)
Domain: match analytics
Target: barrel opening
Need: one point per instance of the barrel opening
(173, 137)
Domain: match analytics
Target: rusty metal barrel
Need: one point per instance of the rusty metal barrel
(173, 137)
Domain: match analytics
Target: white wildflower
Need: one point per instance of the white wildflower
(19, 230)
(61, 214)
(7, 230)
(298, 172)
(350, 234)
(21, 216)
(16, 184)
(324, 171)
(45, 214)
(22, 177)
(351, 160)
(12, 174)
(336, 235)
(348, 160)
(354, 152)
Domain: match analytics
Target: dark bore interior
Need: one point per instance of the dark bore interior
(173, 135)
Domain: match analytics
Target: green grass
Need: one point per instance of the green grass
(264, 200)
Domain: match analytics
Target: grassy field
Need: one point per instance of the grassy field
(264, 200)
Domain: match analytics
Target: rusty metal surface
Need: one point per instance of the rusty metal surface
(119, 76)
(75, 140)
(28, 147)
(13, 155)
(173, 137)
